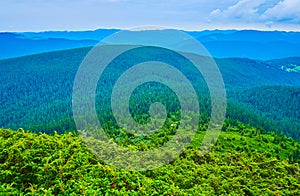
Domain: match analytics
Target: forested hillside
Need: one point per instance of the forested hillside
(37, 92)
(280, 103)
(288, 64)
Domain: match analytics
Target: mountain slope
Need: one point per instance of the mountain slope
(37, 90)
(279, 103)
(288, 64)
(252, 49)
(252, 44)
(246, 73)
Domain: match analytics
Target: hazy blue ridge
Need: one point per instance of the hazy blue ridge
(14, 45)
(261, 45)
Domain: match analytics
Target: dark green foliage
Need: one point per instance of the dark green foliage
(37, 91)
(280, 106)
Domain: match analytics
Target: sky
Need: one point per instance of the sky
(43, 15)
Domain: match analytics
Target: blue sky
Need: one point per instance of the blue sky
(41, 15)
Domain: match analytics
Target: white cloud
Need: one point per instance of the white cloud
(287, 10)
(269, 13)
(244, 10)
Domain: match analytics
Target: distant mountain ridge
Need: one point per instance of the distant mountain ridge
(261, 45)
(96, 35)
(16, 45)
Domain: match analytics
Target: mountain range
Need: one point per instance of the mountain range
(260, 45)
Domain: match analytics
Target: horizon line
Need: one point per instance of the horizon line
(121, 29)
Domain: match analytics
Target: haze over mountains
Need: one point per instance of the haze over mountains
(261, 45)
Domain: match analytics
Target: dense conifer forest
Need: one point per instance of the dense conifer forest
(37, 91)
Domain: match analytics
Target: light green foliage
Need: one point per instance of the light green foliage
(244, 162)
